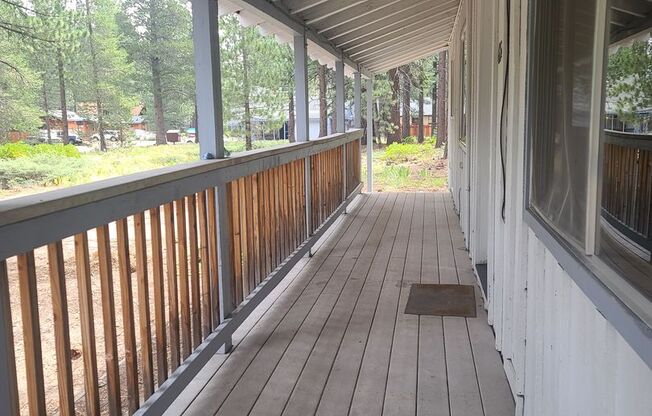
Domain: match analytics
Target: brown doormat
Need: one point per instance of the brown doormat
(441, 300)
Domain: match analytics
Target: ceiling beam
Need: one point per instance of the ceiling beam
(392, 32)
(431, 50)
(352, 22)
(419, 35)
(396, 52)
(279, 13)
(422, 11)
(358, 11)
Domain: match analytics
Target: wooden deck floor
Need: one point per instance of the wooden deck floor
(332, 339)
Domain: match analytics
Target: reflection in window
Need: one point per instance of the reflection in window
(625, 238)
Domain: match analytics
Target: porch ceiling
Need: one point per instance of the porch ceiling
(371, 35)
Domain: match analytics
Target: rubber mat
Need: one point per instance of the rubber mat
(441, 300)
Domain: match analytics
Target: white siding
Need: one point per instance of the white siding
(560, 354)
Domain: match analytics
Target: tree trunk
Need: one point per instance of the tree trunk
(394, 135)
(406, 90)
(291, 120)
(62, 94)
(245, 88)
(157, 91)
(442, 100)
(195, 125)
(46, 110)
(96, 85)
(433, 104)
(323, 109)
(420, 121)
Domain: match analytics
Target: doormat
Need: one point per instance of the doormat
(441, 300)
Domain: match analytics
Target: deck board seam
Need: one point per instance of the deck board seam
(339, 235)
(375, 310)
(391, 348)
(335, 304)
(326, 256)
(299, 327)
(394, 198)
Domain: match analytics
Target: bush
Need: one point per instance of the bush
(40, 170)
(409, 140)
(19, 150)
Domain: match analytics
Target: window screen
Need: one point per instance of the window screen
(562, 60)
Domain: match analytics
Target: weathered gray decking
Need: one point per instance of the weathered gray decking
(333, 338)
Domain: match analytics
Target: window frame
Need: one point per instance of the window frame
(622, 304)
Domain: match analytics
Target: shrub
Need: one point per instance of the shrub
(39, 170)
(20, 150)
(397, 173)
(14, 150)
(409, 140)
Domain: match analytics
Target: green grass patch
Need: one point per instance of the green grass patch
(409, 166)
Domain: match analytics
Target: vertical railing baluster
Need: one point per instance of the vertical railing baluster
(61, 328)
(225, 265)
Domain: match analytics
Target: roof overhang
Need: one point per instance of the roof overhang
(368, 35)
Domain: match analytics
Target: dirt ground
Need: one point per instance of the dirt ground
(46, 320)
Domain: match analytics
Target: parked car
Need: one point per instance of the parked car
(111, 135)
(73, 138)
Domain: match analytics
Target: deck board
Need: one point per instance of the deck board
(332, 339)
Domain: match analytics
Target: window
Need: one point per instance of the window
(561, 114)
(590, 141)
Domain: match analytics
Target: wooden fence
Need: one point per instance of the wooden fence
(627, 185)
(113, 295)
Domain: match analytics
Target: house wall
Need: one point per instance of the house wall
(561, 356)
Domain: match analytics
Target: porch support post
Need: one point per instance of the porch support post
(339, 97)
(339, 113)
(208, 92)
(302, 131)
(357, 101)
(370, 135)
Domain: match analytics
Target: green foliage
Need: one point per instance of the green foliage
(405, 152)
(39, 170)
(629, 79)
(23, 150)
(409, 140)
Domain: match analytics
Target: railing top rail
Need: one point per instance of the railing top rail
(30, 206)
(636, 140)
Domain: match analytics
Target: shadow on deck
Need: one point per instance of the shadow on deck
(333, 339)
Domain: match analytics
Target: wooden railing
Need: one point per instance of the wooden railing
(627, 185)
(113, 295)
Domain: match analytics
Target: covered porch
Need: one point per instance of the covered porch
(333, 338)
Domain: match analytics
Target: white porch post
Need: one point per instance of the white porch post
(357, 100)
(339, 113)
(302, 131)
(339, 97)
(370, 134)
(208, 93)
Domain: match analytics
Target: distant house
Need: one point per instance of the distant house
(138, 117)
(81, 125)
